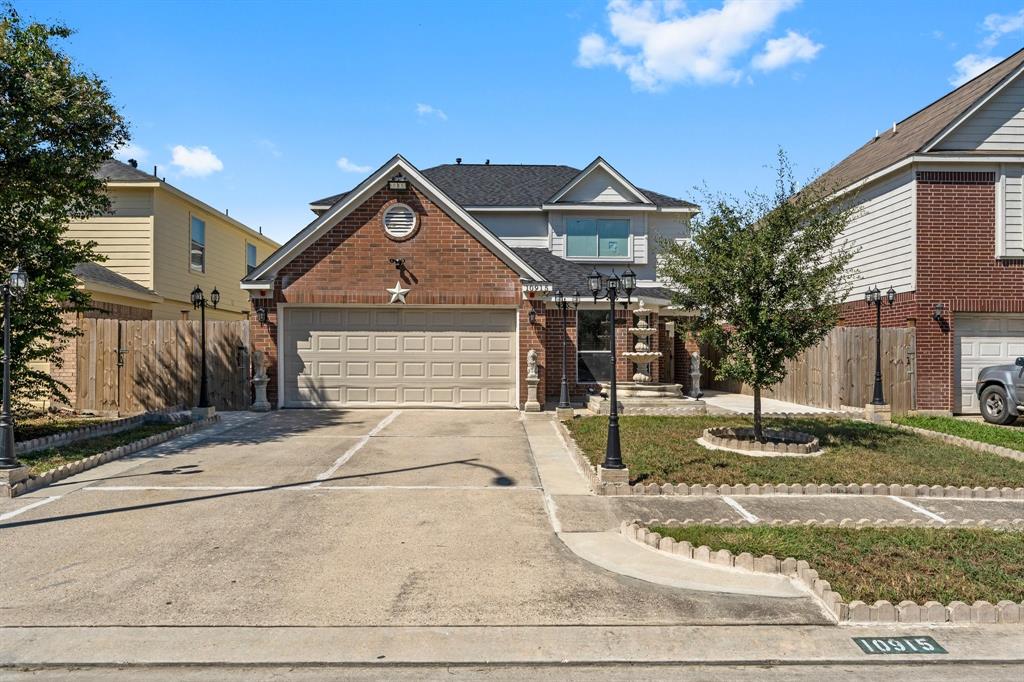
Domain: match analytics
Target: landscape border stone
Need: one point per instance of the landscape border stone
(1005, 612)
(741, 440)
(71, 468)
(91, 431)
(975, 445)
(708, 489)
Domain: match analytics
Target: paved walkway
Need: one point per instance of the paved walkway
(720, 402)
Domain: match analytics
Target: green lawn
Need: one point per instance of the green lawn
(887, 563)
(42, 461)
(664, 450)
(28, 428)
(1006, 436)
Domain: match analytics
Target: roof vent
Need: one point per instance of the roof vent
(133, 163)
(399, 221)
(458, 159)
(487, 162)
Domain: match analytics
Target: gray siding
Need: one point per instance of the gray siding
(882, 233)
(997, 126)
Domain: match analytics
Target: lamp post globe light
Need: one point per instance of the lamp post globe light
(17, 281)
(199, 302)
(612, 288)
(564, 304)
(873, 297)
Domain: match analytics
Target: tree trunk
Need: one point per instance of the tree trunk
(758, 433)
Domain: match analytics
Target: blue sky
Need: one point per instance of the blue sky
(262, 107)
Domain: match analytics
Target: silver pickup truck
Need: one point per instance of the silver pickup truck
(1000, 390)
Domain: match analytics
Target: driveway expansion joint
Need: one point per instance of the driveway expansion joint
(981, 612)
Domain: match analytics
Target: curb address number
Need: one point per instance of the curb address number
(899, 645)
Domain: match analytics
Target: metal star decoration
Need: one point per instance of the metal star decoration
(398, 293)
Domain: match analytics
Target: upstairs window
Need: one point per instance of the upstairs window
(597, 238)
(250, 257)
(197, 250)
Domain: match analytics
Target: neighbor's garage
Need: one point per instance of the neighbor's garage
(398, 357)
(983, 340)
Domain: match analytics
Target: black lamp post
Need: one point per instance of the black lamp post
(612, 285)
(874, 297)
(563, 304)
(16, 282)
(199, 301)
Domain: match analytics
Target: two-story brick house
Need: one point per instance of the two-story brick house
(429, 288)
(940, 219)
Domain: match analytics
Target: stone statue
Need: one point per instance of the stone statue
(695, 391)
(531, 364)
(259, 382)
(259, 365)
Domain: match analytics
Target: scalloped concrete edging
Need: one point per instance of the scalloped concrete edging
(975, 445)
(856, 612)
(1000, 524)
(92, 431)
(71, 468)
(741, 440)
(707, 489)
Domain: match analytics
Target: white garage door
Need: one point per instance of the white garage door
(982, 341)
(394, 357)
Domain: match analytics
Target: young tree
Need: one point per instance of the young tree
(765, 276)
(57, 125)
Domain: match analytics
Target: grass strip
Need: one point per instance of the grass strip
(1004, 436)
(869, 564)
(42, 461)
(664, 450)
(39, 427)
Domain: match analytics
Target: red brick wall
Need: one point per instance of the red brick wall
(956, 266)
(446, 265)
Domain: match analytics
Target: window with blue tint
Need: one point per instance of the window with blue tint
(250, 257)
(613, 238)
(581, 238)
(197, 250)
(597, 238)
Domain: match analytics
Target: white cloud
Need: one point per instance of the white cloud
(658, 44)
(780, 52)
(130, 150)
(349, 167)
(195, 161)
(999, 25)
(269, 147)
(428, 110)
(971, 65)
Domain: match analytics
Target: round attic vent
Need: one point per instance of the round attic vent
(399, 221)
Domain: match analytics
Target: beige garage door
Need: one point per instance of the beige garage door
(399, 357)
(982, 341)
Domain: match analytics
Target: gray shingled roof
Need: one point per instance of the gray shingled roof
(471, 184)
(95, 273)
(115, 171)
(915, 132)
(569, 276)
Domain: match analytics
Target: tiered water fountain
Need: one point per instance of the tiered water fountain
(643, 395)
(642, 356)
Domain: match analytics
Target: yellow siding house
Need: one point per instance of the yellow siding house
(167, 242)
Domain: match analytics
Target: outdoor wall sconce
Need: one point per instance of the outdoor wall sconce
(261, 315)
(399, 263)
(532, 316)
(937, 310)
(398, 183)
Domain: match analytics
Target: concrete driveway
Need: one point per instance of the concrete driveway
(327, 518)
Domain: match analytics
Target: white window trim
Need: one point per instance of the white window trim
(1001, 212)
(192, 268)
(256, 260)
(627, 258)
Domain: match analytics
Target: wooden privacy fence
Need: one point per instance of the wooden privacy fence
(130, 366)
(840, 371)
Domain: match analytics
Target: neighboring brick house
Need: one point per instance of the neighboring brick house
(482, 248)
(941, 220)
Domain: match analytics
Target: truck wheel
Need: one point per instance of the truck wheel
(995, 407)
